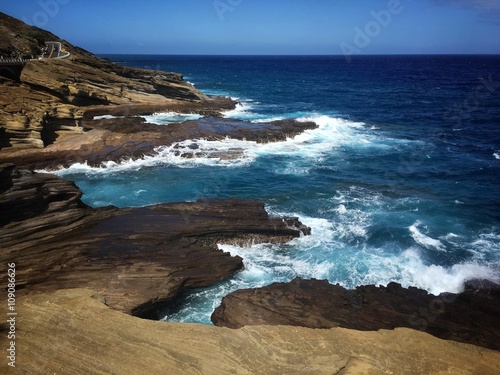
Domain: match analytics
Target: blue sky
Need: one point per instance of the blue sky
(268, 26)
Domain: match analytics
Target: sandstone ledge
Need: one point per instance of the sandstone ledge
(71, 332)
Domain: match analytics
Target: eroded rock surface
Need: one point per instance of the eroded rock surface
(71, 332)
(47, 113)
(471, 316)
(139, 259)
(51, 97)
(130, 138)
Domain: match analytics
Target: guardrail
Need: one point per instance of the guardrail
(15, 61)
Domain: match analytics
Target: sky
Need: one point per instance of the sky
(268, 27)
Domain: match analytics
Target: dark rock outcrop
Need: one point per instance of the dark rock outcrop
(470, 317)
(139, 259)
(129, 137)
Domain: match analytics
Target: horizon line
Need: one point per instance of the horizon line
(297, 55)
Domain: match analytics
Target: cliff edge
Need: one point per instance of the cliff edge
(49, 98)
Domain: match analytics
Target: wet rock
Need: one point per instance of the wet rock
(137, 259)
(471, 316)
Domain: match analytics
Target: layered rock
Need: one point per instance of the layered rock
(71, 332)
(139, 259)
(471, 316)
(50, 97)
(46, 115)
(124, 138)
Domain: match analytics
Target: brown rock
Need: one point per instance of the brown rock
(125, 138)
(139, 259)
(50, 97)
(71, 332)
(470, 317)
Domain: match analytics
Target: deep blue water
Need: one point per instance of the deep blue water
(401, 182)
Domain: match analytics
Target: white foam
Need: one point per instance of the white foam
(341, 209)
(317, 143)
(424, 240)
(323, 256)
(189, 153)
(264, 264)
(106, 117)
(242, 111)
(165, 118)
(437, 279)
(302, 152)
(497, 155)
(311, 144)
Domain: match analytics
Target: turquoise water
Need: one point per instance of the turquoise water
(400, 182)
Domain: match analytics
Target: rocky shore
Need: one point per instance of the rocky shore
(47, 112)
(470, 317)
(138, 259)
(84, 275)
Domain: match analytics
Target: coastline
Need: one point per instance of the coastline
(137, 261)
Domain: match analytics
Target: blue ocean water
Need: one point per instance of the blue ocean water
(400, 182)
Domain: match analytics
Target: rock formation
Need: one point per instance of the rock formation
(125, 138)
(139, 259)
(46, 115)
(471, 316)
(72, 332)
(50, 97)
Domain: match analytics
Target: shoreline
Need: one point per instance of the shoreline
(84, 275)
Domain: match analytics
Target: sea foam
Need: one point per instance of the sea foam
(166, 118)
(311, 144)
(424, 240)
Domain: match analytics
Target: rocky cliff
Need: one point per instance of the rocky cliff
(72, 332)
(50, 97)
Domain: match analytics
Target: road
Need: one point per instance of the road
(54, 51)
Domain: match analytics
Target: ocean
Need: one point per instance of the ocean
(400, 182)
